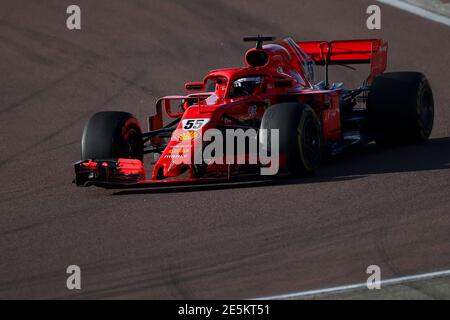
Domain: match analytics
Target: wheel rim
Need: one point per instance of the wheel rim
(309, 139)
(426, 111)
(132, 144)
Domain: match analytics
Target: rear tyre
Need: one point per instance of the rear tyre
(110, 135)
(300, 136)
(400, 107)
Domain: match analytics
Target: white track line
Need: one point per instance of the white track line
(417, 11)
(393, 281)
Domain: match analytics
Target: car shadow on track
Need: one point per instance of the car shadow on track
(370, 160)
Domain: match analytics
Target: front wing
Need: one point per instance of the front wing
(130, 173)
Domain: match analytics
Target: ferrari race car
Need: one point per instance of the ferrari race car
(271, 117)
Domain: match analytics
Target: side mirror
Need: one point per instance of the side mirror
(194, 86)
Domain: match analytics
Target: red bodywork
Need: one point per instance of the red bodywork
(289, 77)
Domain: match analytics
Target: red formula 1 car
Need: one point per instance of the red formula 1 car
(275, 92)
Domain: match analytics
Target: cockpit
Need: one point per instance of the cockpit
(246, 86)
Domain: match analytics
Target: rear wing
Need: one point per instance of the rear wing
(366, 51)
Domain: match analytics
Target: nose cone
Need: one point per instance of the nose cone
(178, 157)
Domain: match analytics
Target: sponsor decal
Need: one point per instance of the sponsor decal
(175, 156)
(186, 135)
(177, 152)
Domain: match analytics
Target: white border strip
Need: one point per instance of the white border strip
(393, 281)
(417, 11)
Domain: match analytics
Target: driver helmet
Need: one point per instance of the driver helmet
(246, 86)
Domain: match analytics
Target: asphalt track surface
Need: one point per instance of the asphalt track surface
(389, 207)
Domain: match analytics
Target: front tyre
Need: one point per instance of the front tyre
(300, 136)
(112, 135)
